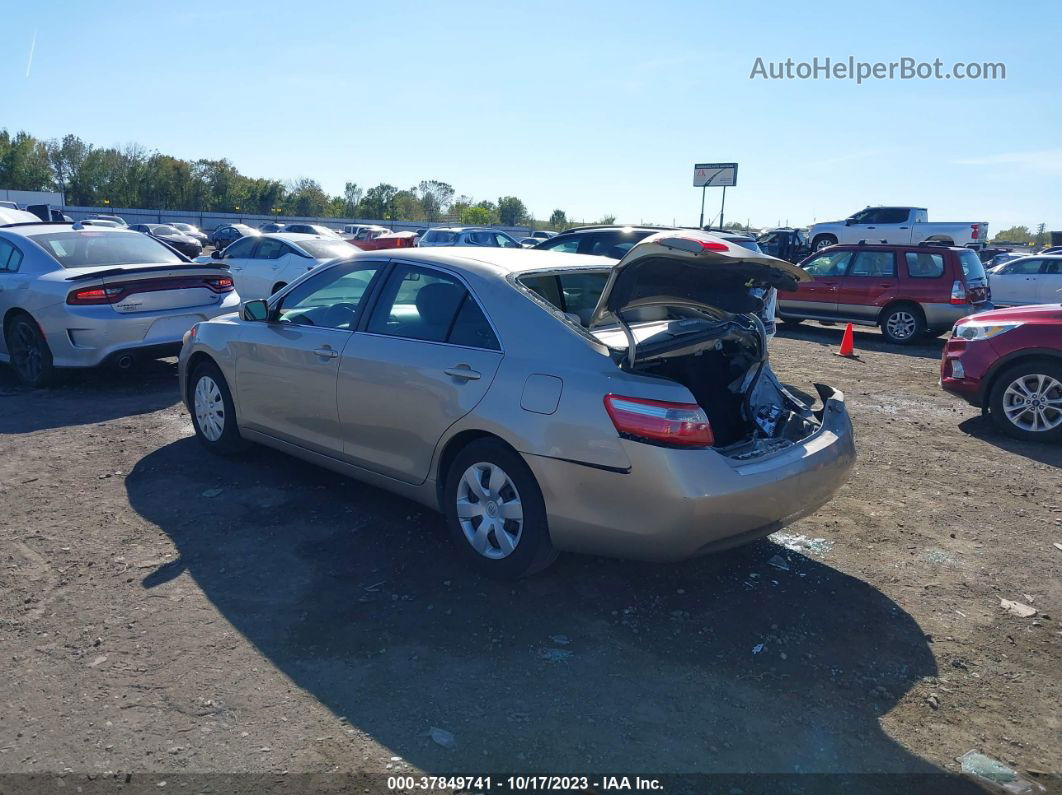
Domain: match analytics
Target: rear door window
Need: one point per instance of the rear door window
(270, 248)
(876, 264)
(10, 257)
(566, 245)
(893, 215)
(429, 305)
(922, 265)
(1023, 267)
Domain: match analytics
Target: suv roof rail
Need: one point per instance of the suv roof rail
(937, 243)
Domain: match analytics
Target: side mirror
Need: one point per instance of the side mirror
(215, 254)
(849, 221)
(255, 310)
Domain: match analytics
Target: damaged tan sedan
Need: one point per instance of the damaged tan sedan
(543, 402)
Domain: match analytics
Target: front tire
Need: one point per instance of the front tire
(495, 511)
(903, 324)
(31, 358)
(213, 412)
(1026, 402)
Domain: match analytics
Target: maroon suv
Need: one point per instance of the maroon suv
(907, 290)
(1009, 362)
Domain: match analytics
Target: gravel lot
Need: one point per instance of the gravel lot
(166, 611)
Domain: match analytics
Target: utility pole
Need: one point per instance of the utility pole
(703, 189)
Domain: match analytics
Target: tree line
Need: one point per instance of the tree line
(133, 176)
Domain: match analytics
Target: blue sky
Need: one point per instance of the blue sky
(595, 108)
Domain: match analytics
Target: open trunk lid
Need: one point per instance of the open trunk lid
(692, 269)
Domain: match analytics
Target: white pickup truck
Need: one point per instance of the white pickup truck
(897, 225)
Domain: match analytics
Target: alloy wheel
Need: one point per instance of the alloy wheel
(26, 353)
(1033, 402)
(209, 408)
(901, 325)
(489, 510)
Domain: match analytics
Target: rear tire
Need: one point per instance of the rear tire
(495, 511)
(821, 241)
(1040, 383)
(213, 412)
(31, 358)
(791, 322)
(902, 324)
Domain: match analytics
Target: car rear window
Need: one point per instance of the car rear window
(440, 237)
(972, 268)
(575, 294)
(746, 242)
(87, 248)
(324, 249)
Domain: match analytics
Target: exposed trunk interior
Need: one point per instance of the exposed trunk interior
(722, 361)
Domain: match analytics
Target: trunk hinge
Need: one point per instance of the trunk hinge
(632, 343)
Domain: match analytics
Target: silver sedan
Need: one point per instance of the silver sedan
(81, 295)
(541, 401)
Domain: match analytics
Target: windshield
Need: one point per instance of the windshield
(163, 230)
(972, 268)
(327, 249)
(575, 293)
(182, 227)
(440, 237)
(91, 248)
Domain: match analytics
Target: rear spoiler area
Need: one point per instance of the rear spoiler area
(146, 269)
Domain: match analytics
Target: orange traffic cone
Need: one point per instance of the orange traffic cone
(847, 344)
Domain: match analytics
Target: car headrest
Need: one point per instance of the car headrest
(437, 303)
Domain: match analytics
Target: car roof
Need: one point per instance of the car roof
(30, 229)
(500, 261)
(295, 237)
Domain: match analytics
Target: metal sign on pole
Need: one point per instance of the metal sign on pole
(706, 175)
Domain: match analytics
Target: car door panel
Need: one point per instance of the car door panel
(286, 383)
(1017, 284)
(1050, 283)
(287, 367)
(402, 379)
(397, 397)
(819, 296)
(867, 285)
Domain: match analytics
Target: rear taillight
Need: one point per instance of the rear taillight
(222, 284)
(95, 295)
(975, 231)
(958, 293)
(662, 422)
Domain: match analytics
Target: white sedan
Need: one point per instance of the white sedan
(263, 264)
(1029, 280)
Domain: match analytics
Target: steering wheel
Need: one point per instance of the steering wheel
(340, 315)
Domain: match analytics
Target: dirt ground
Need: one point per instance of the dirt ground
(163, 611)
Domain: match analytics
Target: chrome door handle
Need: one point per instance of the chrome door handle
(462, 372)
(327, 353)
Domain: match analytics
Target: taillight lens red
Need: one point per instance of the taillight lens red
(975, 231)
(95, 295)
(663, 422)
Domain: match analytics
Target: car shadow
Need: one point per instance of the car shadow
(865, 339)
(84, 397)
(981, 427)
(725, 663)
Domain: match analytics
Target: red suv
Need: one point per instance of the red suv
(1009, 362)
(907, 290)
